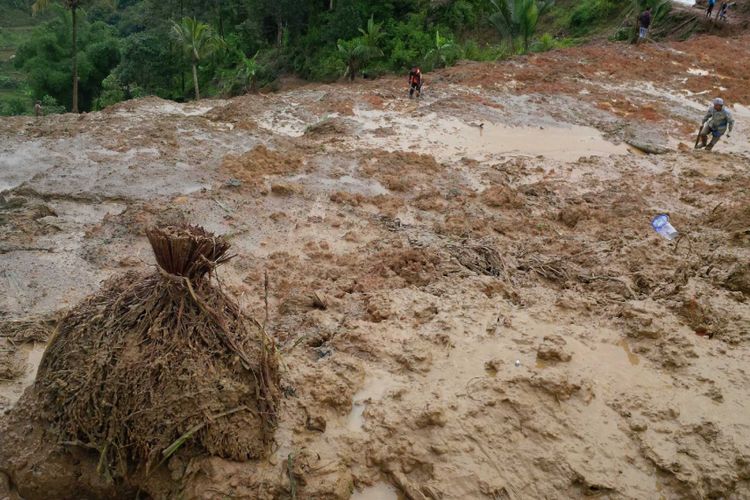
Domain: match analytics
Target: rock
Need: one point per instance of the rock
(315, 423)
(552, 348)
(646, 140)
(739, 279)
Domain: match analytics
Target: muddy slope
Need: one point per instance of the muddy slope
(469, 297)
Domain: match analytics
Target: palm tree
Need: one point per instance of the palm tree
(359, 51)
(514, 18)
(198, 40)
(372, 35)
(352, 52)
(72, 5)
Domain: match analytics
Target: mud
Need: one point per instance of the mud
(413, 256)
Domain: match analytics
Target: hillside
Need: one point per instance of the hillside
(466, 290)
(128, 49)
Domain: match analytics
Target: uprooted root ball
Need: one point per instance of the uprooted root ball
(155, 363)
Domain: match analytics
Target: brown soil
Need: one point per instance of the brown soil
(456, 319)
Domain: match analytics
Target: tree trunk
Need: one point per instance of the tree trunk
(330, 5)
(75, 61)
(195, 81)
(279, 31)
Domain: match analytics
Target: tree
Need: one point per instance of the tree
(43, 58)
(198, 40)
(518, 18)
(360, 50)
(442, 49)
(73, 6)
(371, 37)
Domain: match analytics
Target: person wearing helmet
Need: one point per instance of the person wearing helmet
(718, 120)
(415, 81)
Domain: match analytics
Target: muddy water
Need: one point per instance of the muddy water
(449, 138)
(380, 491)
(375, 387)
(10, 392)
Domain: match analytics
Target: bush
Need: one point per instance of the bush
(328, 67)
(473, 52)
(51, 106)
(545, 43)
(9, 83)
(112, 93)
(588, 12)
(11, 106)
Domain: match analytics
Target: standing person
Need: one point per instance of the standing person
(415, 82)
(38, 109)
(710, 8)
(644, 21)
(718, 120)
(722, 14)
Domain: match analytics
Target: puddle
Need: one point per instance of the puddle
(380, 491)
(10, 392)
(374, 388)
(697, 72)
(448, 138)
(632, 357)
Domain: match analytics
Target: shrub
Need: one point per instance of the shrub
(10, 106)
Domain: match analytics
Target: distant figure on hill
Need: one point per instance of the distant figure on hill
(644, 21)
(415, 81)
(710, 7)
(718, 120)
(38, 109)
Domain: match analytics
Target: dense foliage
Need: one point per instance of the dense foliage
(181, 49)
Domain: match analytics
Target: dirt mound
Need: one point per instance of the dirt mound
(401, 171)
(502, 197)
(157, 365)
(251, 166)
(330, 126)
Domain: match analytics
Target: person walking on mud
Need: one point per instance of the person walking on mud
(415, 82)
(710, 8)
(644, 21)
(717, 121)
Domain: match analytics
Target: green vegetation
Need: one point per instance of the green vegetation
(198, 41)
(183, 49)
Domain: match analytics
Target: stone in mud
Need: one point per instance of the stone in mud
(739, 279)
(316, 423)
(552, 348)
(648, 141)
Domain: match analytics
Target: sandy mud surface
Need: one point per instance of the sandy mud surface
(468, 296)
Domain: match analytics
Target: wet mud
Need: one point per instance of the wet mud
(468, 304)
